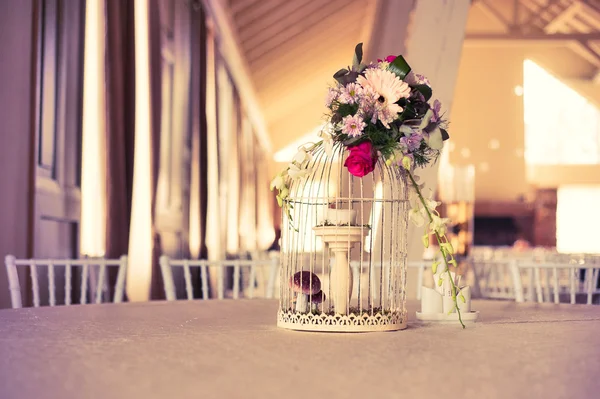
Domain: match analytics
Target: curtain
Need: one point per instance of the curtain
(198, 173)
(198, 164)
(268, 214)
(92, 229)
(228, 161)
(143, 274)
(120, 124)
(212, 238)
(156, 285)
(232, 156)
(248, 176)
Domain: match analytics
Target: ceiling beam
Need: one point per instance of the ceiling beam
(538, 13)
(585, 51)
(541, 37)
(239, 5)
(491, 12)
(596, 77)
(561, 19)
(590, 14)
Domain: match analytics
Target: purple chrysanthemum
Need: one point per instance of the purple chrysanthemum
(350, 94)
(353, 125)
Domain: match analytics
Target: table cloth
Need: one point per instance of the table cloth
(233, 349)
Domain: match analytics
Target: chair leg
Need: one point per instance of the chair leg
(13, 282)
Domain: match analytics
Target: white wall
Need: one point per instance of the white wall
(15, 132)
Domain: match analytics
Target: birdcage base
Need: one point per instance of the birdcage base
(390, 321)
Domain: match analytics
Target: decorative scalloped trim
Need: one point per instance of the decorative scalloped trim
(341, 323)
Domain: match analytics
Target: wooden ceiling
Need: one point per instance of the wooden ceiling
(292, 49)
(571, 23)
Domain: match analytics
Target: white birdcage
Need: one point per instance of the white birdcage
(343, 247)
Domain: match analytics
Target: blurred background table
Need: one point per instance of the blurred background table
(233, 349)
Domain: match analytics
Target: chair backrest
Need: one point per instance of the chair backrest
(92, 269)
(548, 282)
(492, 278)
(420, 266)
(243, 270)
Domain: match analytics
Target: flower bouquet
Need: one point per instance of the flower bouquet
(383, 110)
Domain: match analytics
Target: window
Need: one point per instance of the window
(577, 219)
(561, 126)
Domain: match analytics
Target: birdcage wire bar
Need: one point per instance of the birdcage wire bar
(318, 237)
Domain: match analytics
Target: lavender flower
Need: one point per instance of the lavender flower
(350, 94)
(411, 142)
(422, 80)
(416, 79)
(332, 95)
(353, 125)
(437, 107)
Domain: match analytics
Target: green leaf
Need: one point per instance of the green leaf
(445, 135)
(424, 90)
(400, 67)
(349, 78)
(358, 54)
(462, 298)
(434, 266)
(408, 113)
(339, 75)
(347, 109)
(353, 141)
(425, 239)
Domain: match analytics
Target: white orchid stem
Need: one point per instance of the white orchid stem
(440, 242)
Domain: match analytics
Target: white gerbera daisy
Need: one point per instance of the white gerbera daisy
(388, 88)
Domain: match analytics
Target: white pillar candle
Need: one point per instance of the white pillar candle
(447, 301)
(431, 301)
(466, 305)
(441, 275)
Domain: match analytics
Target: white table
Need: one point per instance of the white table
(232, 349)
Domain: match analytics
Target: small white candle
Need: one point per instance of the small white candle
(431, 301)
(466, 305)
(447, 301)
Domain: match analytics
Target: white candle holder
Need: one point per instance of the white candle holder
(437, 304)
(340, 241)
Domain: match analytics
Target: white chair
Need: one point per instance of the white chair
(492, 272)
(221, 267)
(88, 268)
(547, 282)
(420, 265)
(493, 279)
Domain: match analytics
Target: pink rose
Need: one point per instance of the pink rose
(389, 58)
(361, 161)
